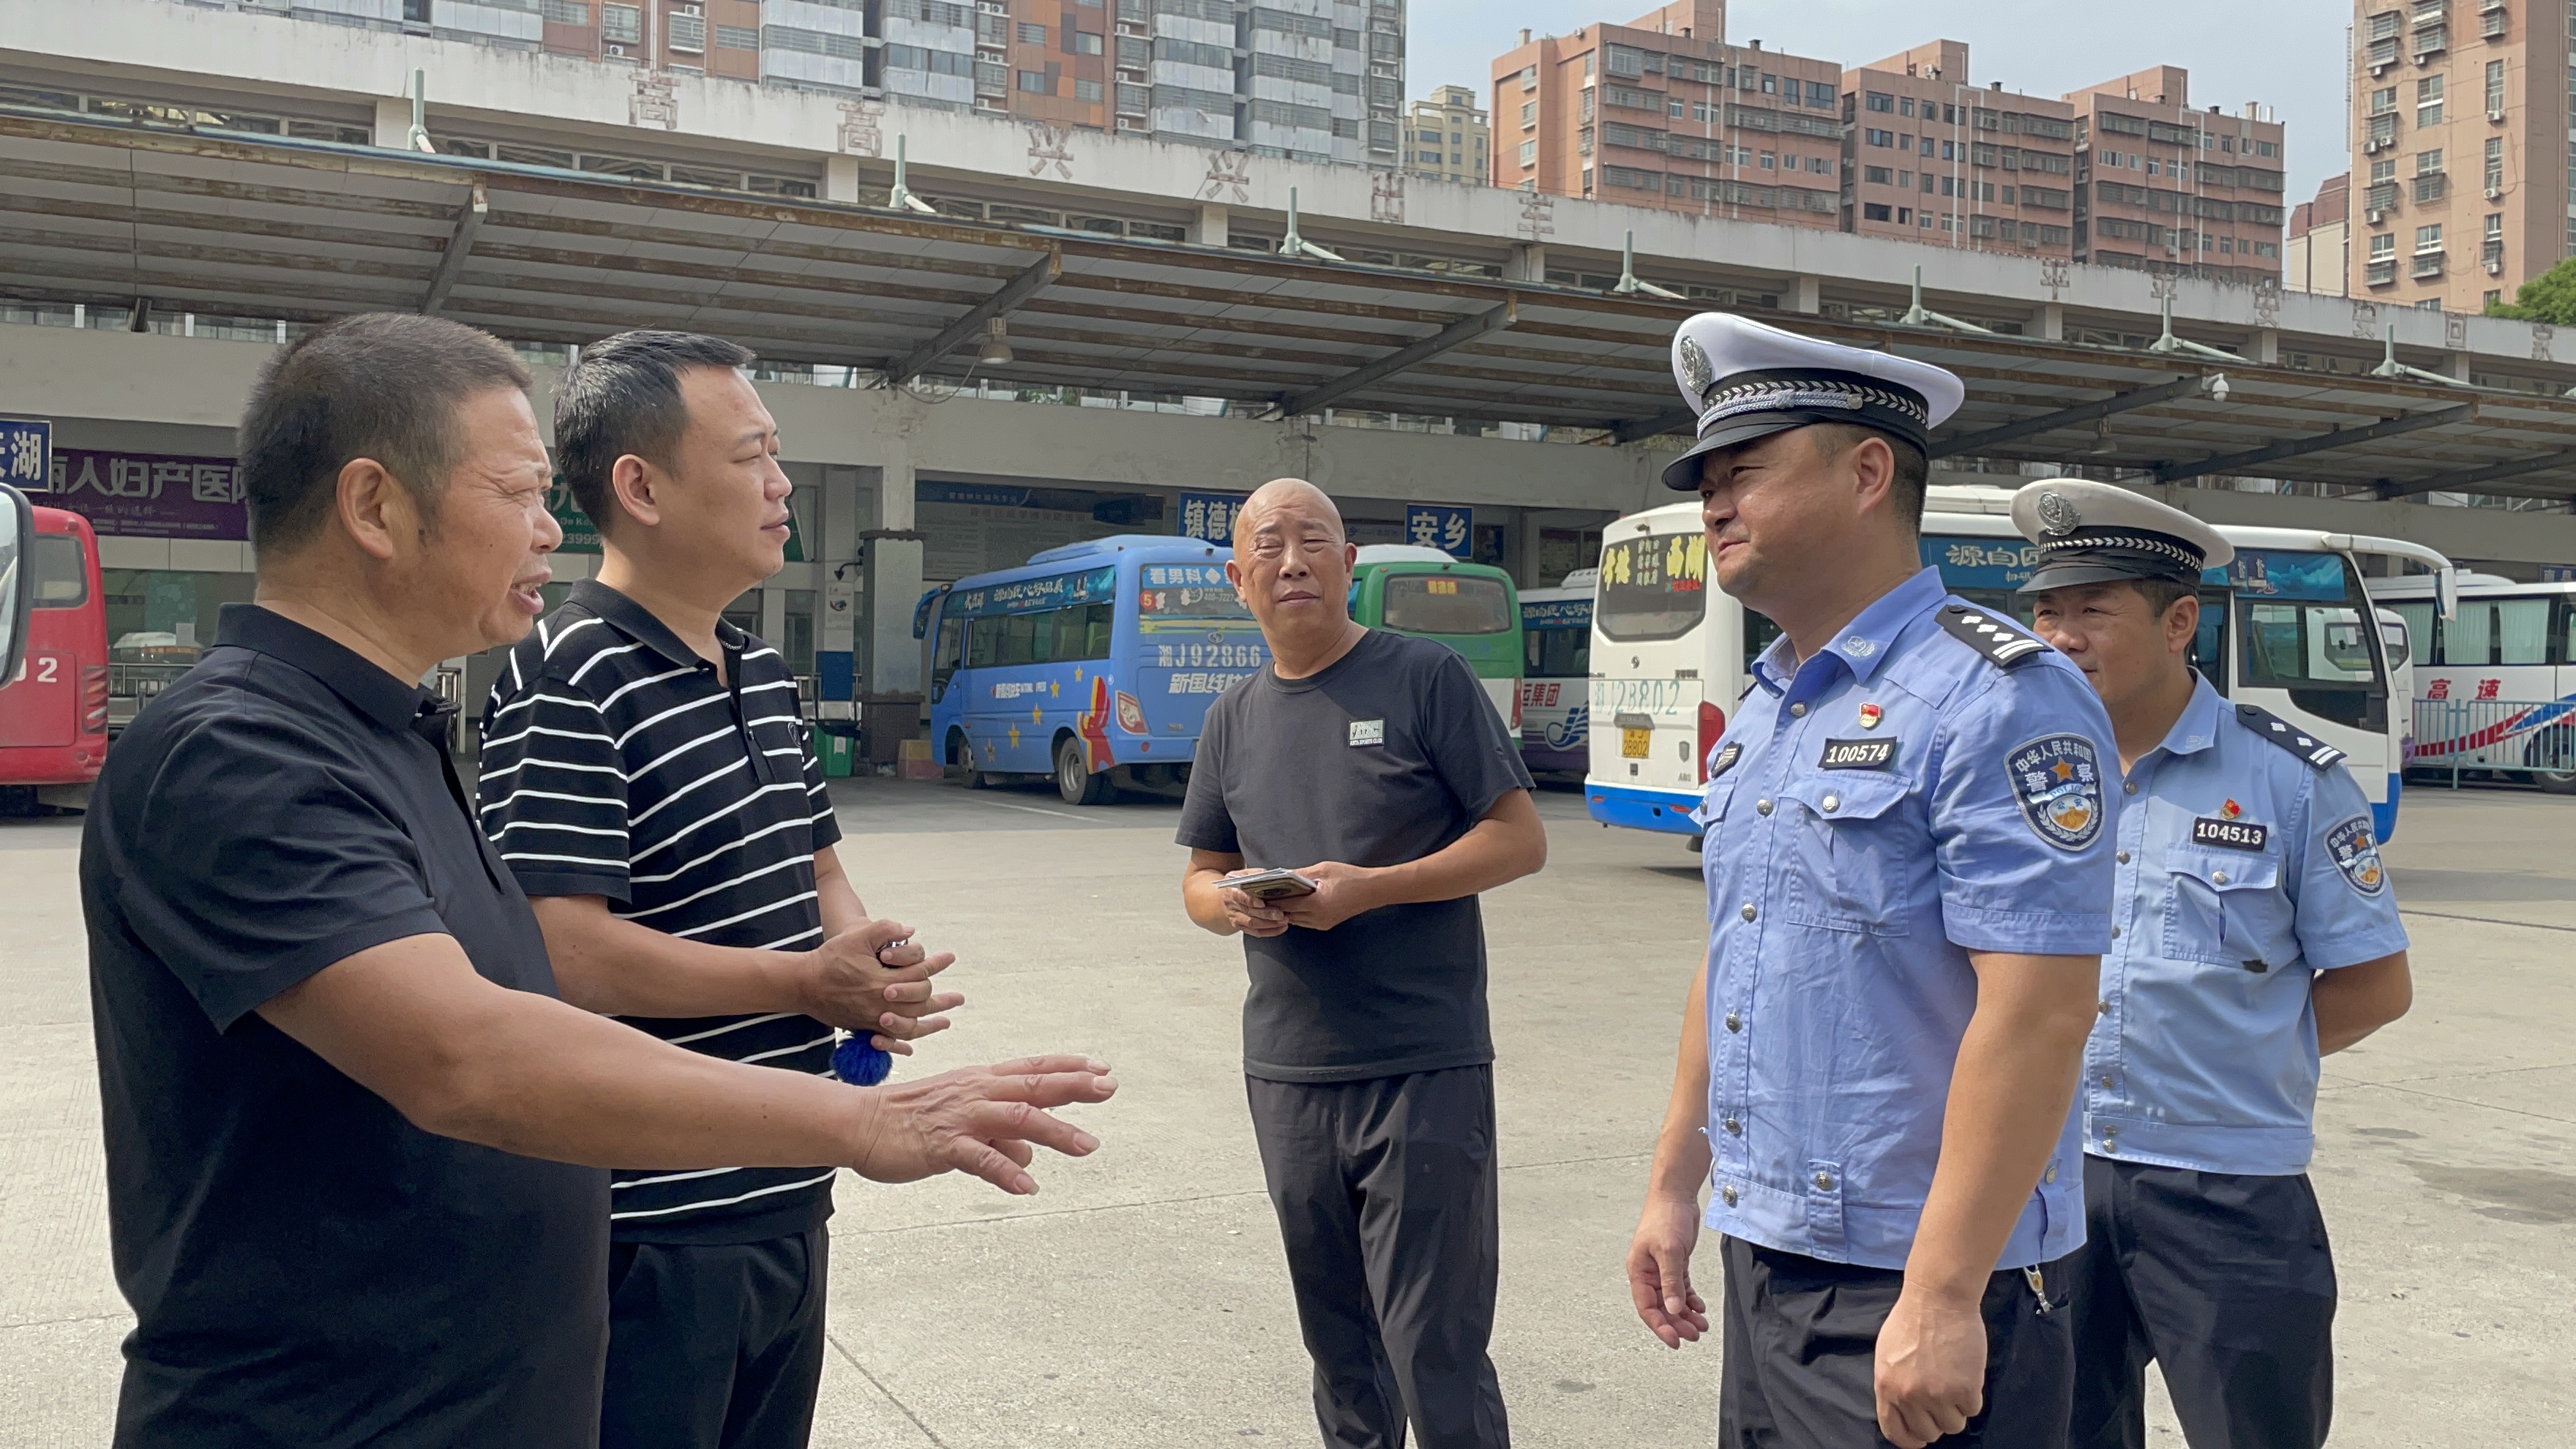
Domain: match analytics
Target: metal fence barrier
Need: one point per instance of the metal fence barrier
(2536, 738)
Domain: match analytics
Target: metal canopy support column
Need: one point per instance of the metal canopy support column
(2301, 447)
(460, 245)
(2213, 384)
(1004, 300)
(1457, 334)
(2467, 478)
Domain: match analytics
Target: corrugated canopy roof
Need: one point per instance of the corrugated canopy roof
(225, 223)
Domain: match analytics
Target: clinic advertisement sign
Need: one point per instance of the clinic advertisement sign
(1440, 526)
(149, 495)
(1210, 515)
(26, 453)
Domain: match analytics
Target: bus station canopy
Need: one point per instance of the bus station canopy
(95, 209)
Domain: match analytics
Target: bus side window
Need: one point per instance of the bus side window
(1099, 622)
(1019, 638)
(1533, 645)
(948, 656)
(984, 642)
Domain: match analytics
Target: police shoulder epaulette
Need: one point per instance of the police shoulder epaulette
(2288, 736)
(2003, 641)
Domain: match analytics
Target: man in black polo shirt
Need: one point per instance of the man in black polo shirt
(646, 776)
(1372, 764)
(337, 1088)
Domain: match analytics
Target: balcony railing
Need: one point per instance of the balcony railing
(2426, 264)
(2380, 273)
(2432, 41)
(2431, 187)
(2382, 196)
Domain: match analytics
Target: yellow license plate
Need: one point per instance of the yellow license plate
(1634, 744)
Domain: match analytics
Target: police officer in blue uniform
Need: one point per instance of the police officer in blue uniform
(2255, 929)
(1908, 860)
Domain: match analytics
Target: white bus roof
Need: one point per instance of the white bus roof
(1378, 553)
(2420, 586)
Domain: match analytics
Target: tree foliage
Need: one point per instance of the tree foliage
(2549, 297)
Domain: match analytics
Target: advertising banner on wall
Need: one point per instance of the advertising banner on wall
(149, 495)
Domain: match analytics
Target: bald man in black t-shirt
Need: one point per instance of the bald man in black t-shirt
(1372, 764)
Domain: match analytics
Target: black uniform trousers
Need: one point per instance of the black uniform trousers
(2226, 1282)
(1800, 1347)
(1386, 1195)
(714, 1345)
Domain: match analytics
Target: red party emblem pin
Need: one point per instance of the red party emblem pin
(1869, 716)
(2231, 809)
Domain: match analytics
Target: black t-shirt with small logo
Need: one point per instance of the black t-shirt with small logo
(1389, 755)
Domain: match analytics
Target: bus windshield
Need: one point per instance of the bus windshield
(1447, 604)
(1655, 587)
(2305, 625)
(1188, 591)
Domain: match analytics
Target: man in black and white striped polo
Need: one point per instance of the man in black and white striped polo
(646, 775)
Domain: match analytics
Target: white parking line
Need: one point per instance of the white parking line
(1042, 810)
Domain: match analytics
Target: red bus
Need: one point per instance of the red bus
(53, 711)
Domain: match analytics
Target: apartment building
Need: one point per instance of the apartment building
(2460, 150)
(1663, 112)
(1929, 156)
(2161, 187)
(1315, 80)
(1446, 137)
(2315, 256)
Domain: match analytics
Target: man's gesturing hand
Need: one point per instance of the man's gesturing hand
(1931, 1369)
(860, 980)
(1659, 1271)
(982, 1120)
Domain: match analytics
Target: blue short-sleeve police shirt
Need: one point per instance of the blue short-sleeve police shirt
(2244, 869)
(1900, 800)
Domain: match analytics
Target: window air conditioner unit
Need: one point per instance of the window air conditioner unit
(2495, 193)
(2381, 66)
(2375, 217)
(2368, 147)
(2495, 113)
(2495, 269)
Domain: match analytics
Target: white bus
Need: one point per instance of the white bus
(2281, 627)
(2495, 683)
(1556, 643)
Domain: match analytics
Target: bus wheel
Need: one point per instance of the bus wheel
(961, 756)
(1073, 777)
(2552, 768)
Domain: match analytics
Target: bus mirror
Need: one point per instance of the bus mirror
(17, 578)
(2446, 591)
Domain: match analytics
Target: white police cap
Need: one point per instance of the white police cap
(1746, 380)
(2094, 533)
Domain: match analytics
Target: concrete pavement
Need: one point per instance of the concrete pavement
(1140, 1299)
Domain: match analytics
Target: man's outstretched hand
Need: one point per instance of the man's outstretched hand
(982, 1120)
(860, 980)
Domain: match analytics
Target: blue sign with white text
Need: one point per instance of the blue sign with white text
(1440, 526)
(26, 453)
(1210, 515)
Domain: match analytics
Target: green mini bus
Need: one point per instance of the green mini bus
(1471, 607)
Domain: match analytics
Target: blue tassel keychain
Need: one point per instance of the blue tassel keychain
(855, 1057)
(857, 1061)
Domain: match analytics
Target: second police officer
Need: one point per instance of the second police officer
(2255, 930)
(1908, 862)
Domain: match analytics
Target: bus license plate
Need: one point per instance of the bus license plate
(1635, 744)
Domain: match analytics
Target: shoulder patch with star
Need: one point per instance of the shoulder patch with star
(2000, 638)
(2288, 736)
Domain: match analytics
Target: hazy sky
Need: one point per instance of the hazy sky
(2287, 54)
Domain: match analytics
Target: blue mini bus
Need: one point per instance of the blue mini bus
(1093, 663)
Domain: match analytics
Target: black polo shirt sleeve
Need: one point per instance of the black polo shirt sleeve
(553, 788)
(268, 858)
(1465, 741)
(827, 826)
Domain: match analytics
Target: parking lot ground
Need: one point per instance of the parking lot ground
(1140, 1298)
